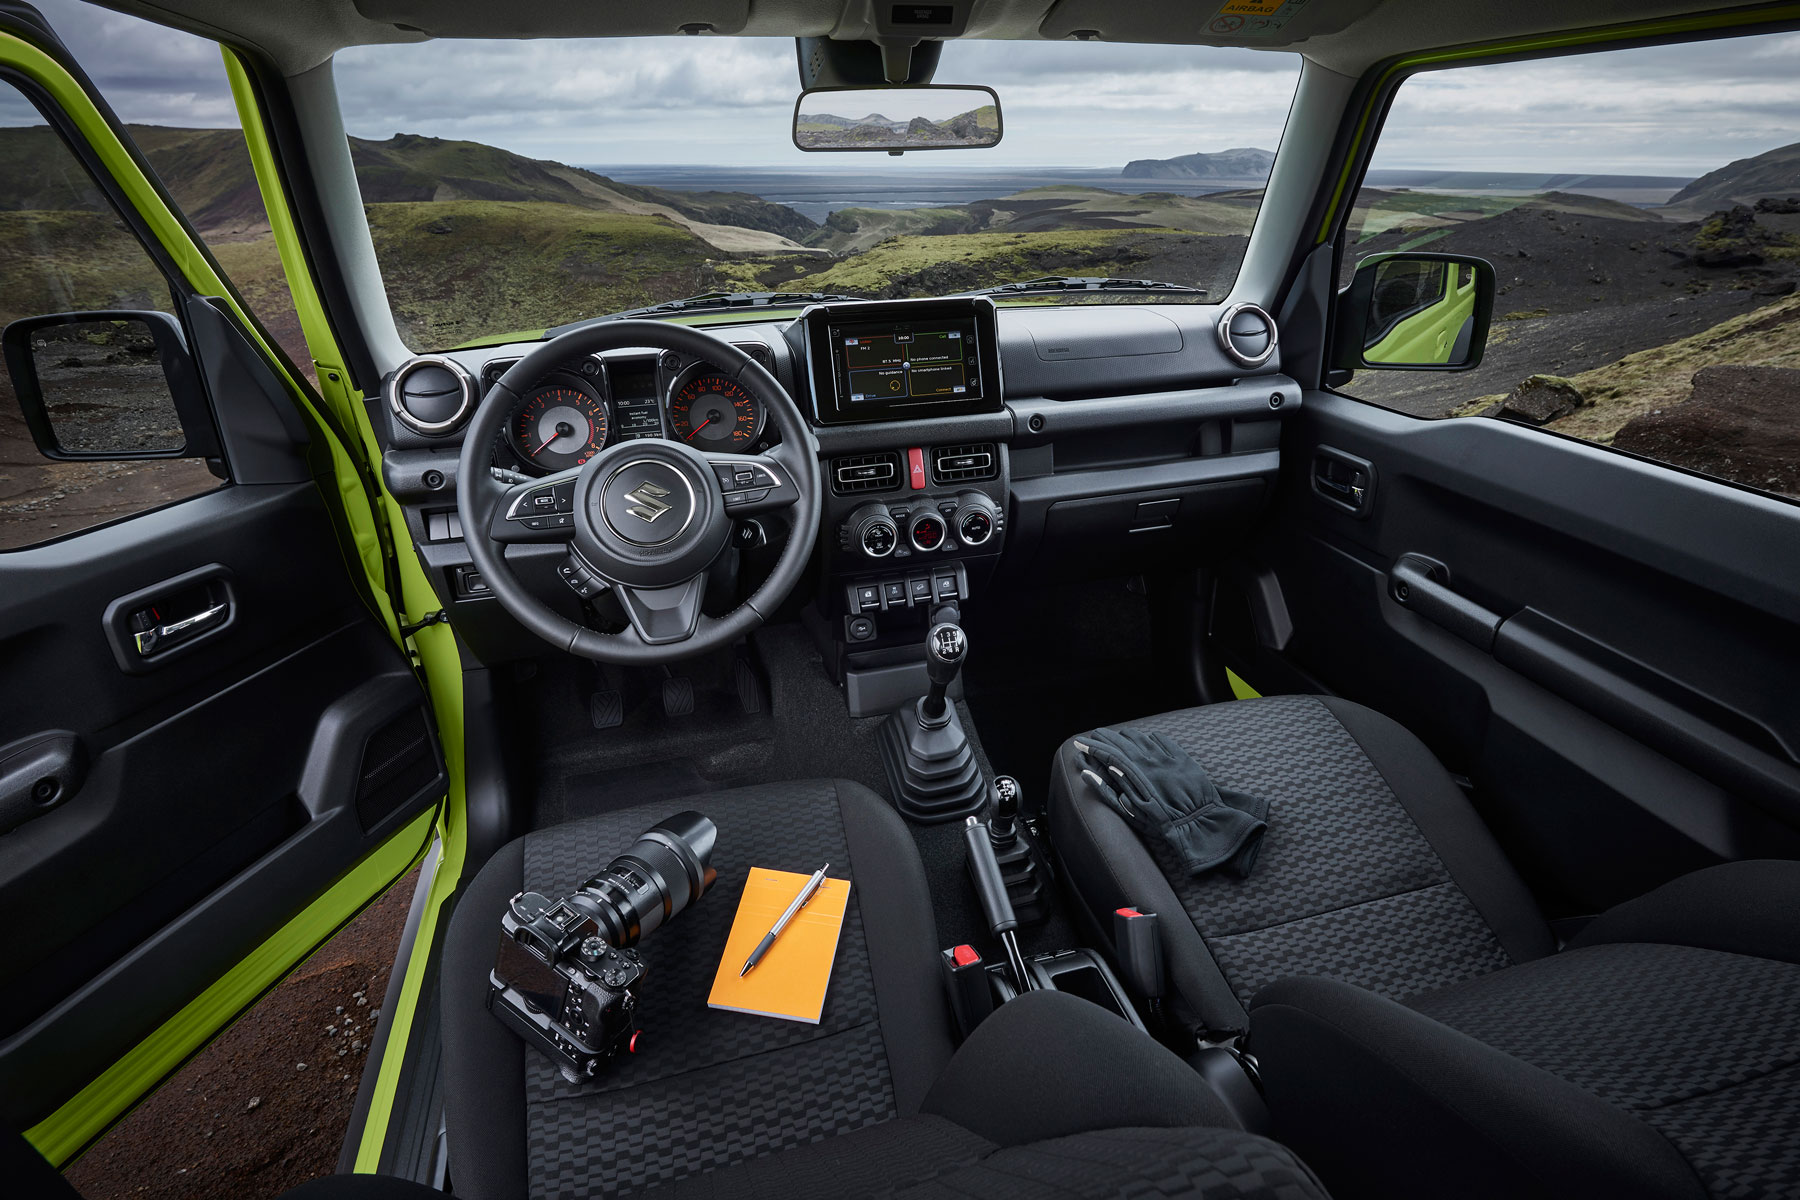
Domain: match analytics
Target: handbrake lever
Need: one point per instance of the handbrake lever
(996, 905)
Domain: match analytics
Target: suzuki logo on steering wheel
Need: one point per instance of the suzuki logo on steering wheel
(647, 501)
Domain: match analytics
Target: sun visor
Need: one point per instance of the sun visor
(558, 18)
(1253, 23)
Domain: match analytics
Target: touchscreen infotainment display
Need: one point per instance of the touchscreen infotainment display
(899, 361)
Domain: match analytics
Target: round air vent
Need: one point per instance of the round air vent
(431, 394)
(1247, 334)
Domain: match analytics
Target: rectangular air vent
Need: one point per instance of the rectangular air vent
(865, 472)
(963, 464)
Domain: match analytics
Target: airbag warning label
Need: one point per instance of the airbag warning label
(1254, 18)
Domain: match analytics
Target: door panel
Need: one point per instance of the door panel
(1604, 646)
(223, 791)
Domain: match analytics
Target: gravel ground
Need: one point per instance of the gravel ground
(265, 1106)
(42, 499)
(1576, 291)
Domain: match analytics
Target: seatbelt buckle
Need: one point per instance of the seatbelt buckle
(966, 981)
(1138, 946)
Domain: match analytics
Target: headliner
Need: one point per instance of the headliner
(1344, 35)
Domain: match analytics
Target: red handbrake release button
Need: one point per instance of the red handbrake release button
(915, 468)
(963, 956)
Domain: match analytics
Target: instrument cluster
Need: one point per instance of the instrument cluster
(577, 411)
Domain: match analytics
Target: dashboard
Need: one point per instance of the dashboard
(968, 453)
(583, 406)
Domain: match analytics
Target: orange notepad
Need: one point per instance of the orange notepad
(791, 979)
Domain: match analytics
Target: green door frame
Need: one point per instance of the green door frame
(434, 647)
(370, 522)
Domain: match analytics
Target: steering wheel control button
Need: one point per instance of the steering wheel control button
(927, 532)
(647, 502)
(579, 578)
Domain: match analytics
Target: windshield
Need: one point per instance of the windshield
(514, 186)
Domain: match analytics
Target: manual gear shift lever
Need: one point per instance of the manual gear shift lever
(931, 768)
(946, 645)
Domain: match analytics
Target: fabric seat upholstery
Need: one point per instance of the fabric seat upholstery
(869, 1101)
(1657, 1056)
(1374, 869)
(1417, 1034)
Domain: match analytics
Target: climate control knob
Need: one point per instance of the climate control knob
(873, 531)
(976, 518)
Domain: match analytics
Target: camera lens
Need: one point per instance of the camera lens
(667, 869)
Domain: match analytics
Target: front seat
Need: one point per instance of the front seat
(870, 1100)
(1418, 1033)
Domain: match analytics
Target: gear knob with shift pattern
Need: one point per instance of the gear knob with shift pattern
(931, 769)
(946, 645)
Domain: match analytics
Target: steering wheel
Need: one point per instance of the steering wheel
(644, 519)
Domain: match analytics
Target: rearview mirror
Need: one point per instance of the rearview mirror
(108, 386)
(897, 119)
(1415, 312)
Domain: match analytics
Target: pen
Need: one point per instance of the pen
(806, 893)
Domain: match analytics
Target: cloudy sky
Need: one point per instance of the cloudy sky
(1675, 110)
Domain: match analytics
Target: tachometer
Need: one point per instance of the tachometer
(559, 425)
(712, 411)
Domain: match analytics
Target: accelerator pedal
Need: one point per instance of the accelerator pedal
(752, 696)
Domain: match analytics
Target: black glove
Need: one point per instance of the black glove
(1161, 791)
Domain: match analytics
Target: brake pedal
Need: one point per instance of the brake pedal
(607, 710)
(678, 696)
(749, 687)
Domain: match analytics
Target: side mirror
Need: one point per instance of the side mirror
(1415, 312)
(108, 386)
(898, 118)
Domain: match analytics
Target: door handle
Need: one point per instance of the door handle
(1422, 585)
(162, 637)
(38, 773)
(159, 624)
(1343, 480)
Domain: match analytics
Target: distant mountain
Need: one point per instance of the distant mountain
(828, 131)
(833, 121)
(1237, 165)
(1518, 181)
(1775, 173)
(208, 171)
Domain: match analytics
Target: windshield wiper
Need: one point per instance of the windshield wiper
(714, 302)
(1083, 283)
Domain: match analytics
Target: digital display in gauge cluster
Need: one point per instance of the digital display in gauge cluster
(636, 413)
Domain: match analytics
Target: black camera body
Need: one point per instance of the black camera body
(565, 971)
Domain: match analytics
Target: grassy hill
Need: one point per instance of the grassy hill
(1775, 173)
(1041, 210)
(209, 173)
(1380, 210)
(448, 282)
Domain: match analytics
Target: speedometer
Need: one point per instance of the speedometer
(558, 425)
(713, 411)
